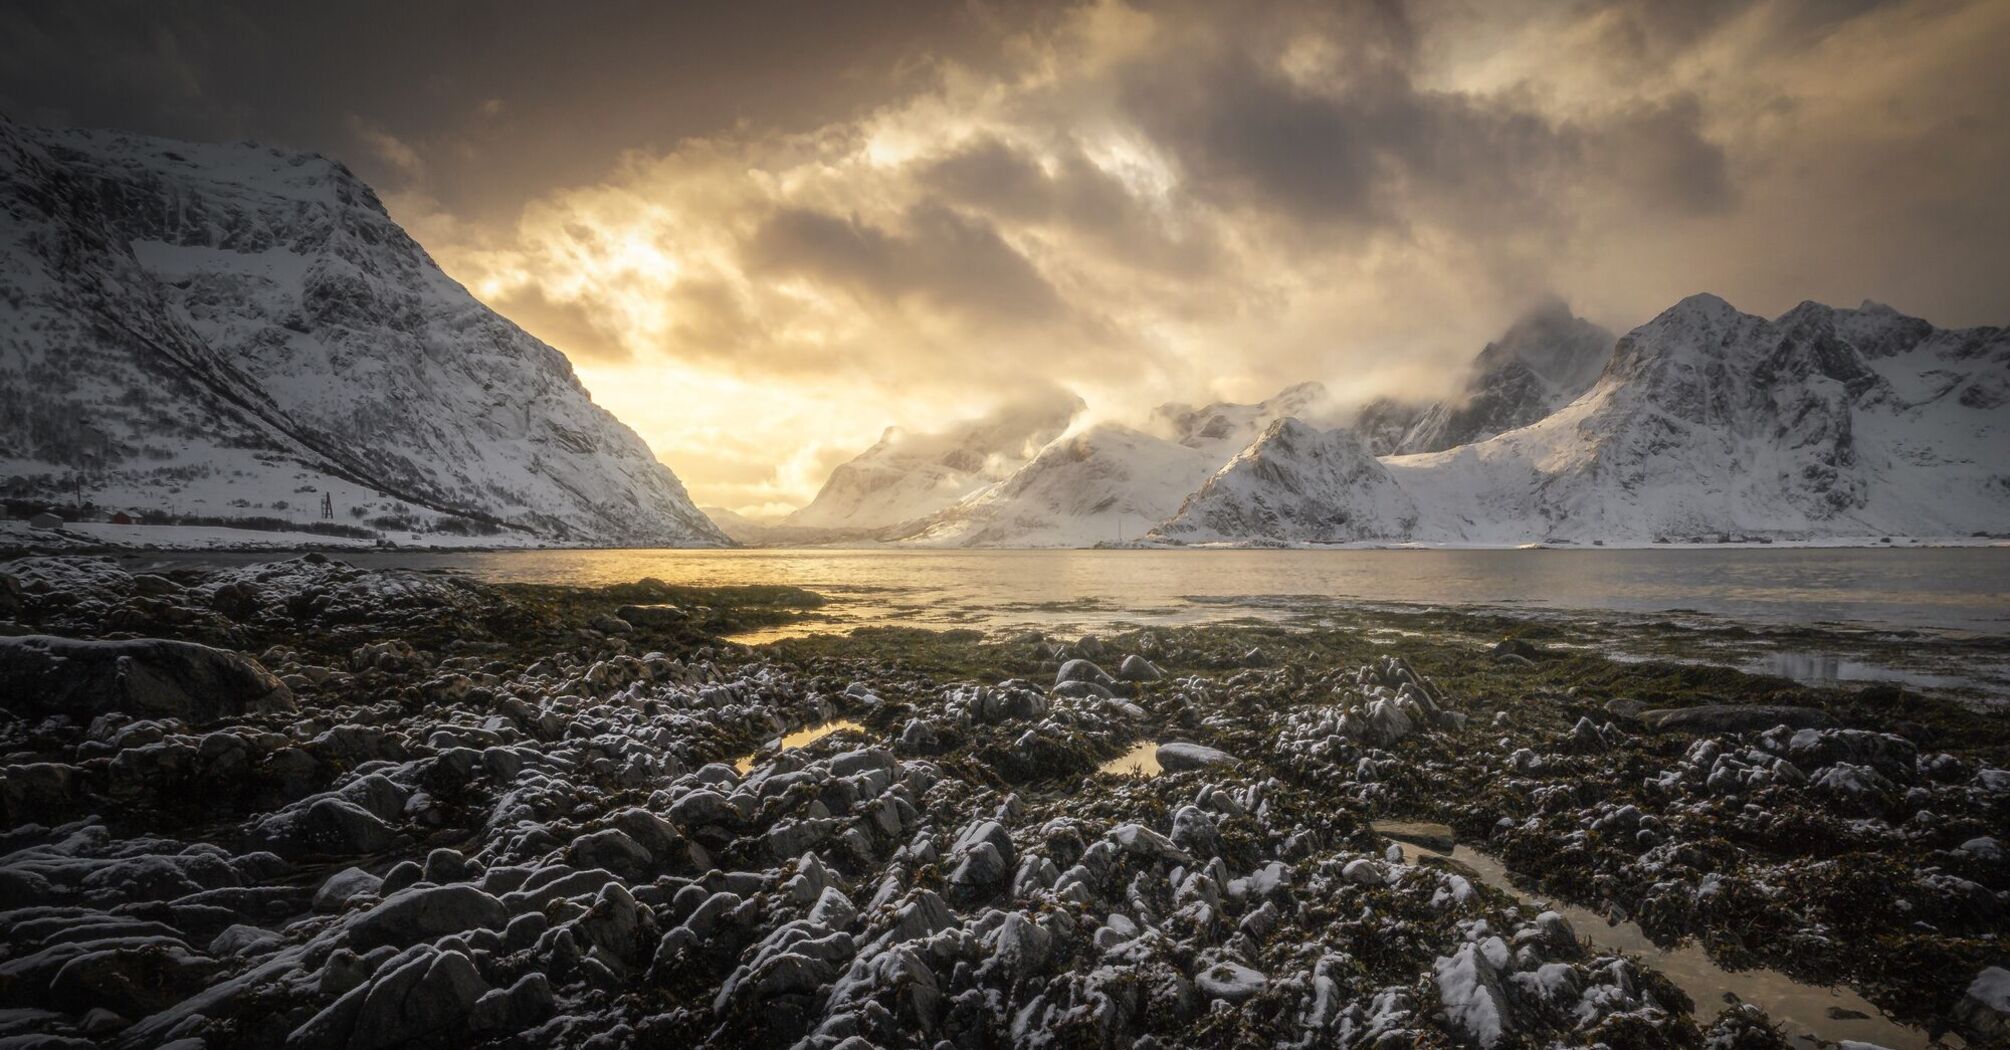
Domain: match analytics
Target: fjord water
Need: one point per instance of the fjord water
(1964, 589)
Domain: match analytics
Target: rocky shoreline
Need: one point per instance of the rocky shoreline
(302, 804)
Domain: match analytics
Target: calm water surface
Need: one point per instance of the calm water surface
(1961, 589)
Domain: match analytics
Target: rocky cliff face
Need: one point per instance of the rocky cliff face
(1296, 483)
(234, 331)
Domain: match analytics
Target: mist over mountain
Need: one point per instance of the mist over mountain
(906, 476)
(1542, 362)
(1295, 483)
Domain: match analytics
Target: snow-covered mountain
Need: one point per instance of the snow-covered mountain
(1107, 483)
(907, 476)
(1222, 429)
(1296, 483)
(1541, 363)
(233, 331)
(1384, 422)
(1821, 424)
(1824, 422)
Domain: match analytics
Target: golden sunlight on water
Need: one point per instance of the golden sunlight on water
(1944, 588)
(809, 735)
(1142, 760)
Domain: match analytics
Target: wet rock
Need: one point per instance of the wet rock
(1439, 837)
(611, 624)
(424, 997)
(329, 825)
(1079, 670)
(146, 678)
(515, 1008)
(425, 913)
(1135, 668)
(1985, 1007)
(36, 789)
(1626, 710)
(654, 617)
(1178, 755)
(1735, 718)
(132, 980)
(1892, 756)
(345, 886)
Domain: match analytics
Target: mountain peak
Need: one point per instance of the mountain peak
(1700, 304)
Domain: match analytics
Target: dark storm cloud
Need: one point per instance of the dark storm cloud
(1376, 150)
(504, 100)
(1657, 153)
(952, 261)
(1076, 197)
(781, 226)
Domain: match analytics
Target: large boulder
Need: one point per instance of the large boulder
(143, 677)
(1735, 718)
(1985, 1008)
(423, 998)
(427, 913)
(1177, 755)
(132, 981)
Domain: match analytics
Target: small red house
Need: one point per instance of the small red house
(122, 518)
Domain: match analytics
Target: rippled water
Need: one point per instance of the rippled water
(1962, 588)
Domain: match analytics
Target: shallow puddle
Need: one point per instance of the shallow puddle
(1802, 1011)
(783, 632)
(1813, 668)
(811, 734)
(1142, 760)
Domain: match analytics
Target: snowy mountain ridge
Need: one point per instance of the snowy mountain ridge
(1542, 362)
(907, 476)
(233, 331)
(1821, 424)
(1295, 483)
(1109, 483)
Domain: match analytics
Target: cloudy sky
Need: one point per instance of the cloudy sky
(763, 232)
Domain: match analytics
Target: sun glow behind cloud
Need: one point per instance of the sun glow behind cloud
(1179, 202)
